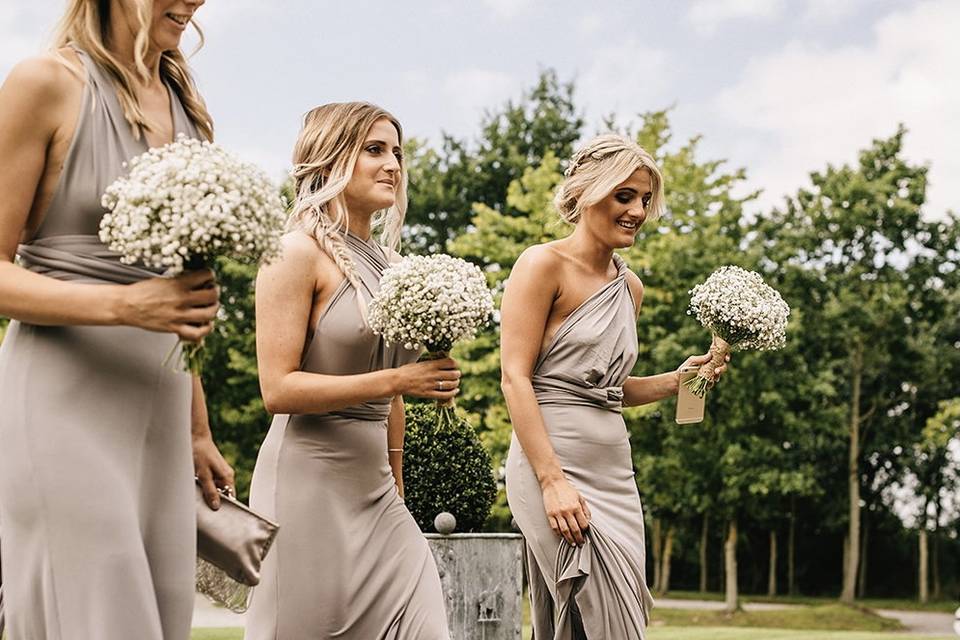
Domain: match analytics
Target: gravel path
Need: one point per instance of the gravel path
(922, 622)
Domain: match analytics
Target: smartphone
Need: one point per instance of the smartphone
(689, 406)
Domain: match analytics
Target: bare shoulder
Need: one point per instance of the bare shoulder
(540, 261)
(43, 88)
(45, 78)
(636, 288)
(298, 246)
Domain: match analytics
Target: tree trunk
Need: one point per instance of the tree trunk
(792, 550)
(935, 567)
(852, 555)
(772, 575)
(862, 579)
(935, 555)
(731, 599)
(924, 594)
(667, 553)
(656, 555)
(704, 530)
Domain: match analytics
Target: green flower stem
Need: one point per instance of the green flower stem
(698, 385)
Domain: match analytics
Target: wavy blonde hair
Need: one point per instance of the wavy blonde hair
(597, 168)
(324, 157)
(86, 23)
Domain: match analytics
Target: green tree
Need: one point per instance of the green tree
(847, 238)
(444, 182)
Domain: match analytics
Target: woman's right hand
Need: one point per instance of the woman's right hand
(185, 305)
(435, 379)
(567, 511)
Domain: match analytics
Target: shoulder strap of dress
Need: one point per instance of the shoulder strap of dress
(620, 263)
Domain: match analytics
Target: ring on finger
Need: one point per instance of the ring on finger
(439, 385)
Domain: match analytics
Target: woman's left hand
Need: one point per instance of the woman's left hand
(213, 471)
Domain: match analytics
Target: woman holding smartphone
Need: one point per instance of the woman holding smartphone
(568, 344)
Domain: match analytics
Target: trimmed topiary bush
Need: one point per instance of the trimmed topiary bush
(445, 468)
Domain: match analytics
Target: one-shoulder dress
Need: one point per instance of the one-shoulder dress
(599, 588)
(97, 507)
(349, 561)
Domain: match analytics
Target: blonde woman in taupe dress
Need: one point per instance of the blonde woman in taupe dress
(569, 342)
(349, 561)
(97, 507)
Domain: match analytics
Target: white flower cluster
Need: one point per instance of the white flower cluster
(189, 202)
(741, 308)
(430, 301)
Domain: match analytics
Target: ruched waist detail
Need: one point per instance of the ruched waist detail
(80, 258)
(562, 392)
(367, 412)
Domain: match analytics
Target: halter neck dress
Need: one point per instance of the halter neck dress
(599, 588)
(97, 507)
(349, 561)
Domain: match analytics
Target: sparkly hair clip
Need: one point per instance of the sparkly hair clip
(583, 156)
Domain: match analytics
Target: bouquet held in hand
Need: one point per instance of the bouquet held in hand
(431, 302)
(742, 312)
(183, 205)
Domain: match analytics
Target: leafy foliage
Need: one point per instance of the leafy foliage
(445, 468)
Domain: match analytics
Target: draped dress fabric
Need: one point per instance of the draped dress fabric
(97, 507)
(349, 561)
(578, 380)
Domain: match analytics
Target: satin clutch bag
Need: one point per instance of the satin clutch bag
(231, 545)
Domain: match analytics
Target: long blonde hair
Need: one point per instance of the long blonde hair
(597, 168)
(86, 25)
(324, 157)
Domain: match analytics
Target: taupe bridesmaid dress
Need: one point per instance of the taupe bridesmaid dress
(349, 561)
(599, 588)
(96, 476)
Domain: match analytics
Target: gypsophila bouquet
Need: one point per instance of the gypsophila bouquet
(183, 205)
(430, 302)
(742, 312)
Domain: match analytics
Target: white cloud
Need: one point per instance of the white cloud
(625, 79)
(827, 11)
(707, 16)
(17, 43)
(509, 9)
(815, 105)
(467, 93)
(591, 24)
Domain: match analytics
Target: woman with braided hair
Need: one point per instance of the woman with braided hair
(568, 344)
(349, 561)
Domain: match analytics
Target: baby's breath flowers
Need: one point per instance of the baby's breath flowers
(430, 302)
(742, 312)
(183, 205)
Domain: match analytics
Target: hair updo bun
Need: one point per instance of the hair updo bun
(597, 168)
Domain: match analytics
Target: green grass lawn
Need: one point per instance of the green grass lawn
(903, 604)
(833, 617)
(217, 634)
(735, 633)
(824, 622)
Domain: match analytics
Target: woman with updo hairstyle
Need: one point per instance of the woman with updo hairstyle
(99, 441)
(568, 345)
(349, 560)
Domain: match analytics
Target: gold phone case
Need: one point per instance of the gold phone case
(689, 406)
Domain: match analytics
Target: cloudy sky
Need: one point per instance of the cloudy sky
(780, 87)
